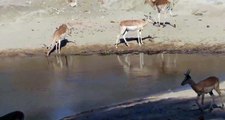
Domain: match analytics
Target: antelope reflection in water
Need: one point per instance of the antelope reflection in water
(152, 68)
(60, 63)
(167, 63)
(137, 68)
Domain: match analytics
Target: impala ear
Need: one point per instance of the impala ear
(188, 72)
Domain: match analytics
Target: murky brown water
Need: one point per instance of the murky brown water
(49, 89)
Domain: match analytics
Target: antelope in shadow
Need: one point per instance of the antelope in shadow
(133, 25)
(204, 87)
(162, 7)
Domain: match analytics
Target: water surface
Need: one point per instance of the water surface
(58, 86)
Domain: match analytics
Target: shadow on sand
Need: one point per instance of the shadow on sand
(164, 25)
(135, 39)
(64, 42)
(145, 109)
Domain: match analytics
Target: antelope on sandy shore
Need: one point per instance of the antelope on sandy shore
(204, 87)
(59, 35)
(72, 3)
(133, 25)
(162, 6)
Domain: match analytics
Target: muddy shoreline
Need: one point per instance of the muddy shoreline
(151, 48)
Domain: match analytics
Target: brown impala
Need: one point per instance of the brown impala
(203, 87)
(162, 6)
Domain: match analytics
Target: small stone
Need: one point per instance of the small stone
(112, 21)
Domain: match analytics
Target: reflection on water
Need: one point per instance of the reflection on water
(58, 86)
(152, 68)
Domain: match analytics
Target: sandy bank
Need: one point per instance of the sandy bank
(30, 25)
(151, 48)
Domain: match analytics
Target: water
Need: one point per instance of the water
(58, 86)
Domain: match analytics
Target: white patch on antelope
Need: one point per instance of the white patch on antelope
(60, 33)
(133, 25)
(162, 6)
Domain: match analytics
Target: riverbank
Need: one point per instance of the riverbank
(172, 105)
(150, 48)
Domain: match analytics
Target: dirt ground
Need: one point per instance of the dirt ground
(156, 108)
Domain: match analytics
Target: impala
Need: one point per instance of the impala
(162, 6)
(72, 3)
(59, 35)
(204, 87)
(133, 25)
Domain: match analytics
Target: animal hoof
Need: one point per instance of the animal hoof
(222, 106)
(211, 109)
(174, 25)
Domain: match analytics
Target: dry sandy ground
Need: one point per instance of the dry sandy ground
(28, 25)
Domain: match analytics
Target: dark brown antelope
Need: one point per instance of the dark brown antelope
(162, 6)
(204, 87)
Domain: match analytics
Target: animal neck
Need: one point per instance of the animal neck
(193, 85)
(145, 21)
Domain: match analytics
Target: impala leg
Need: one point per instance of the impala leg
(117, 40)
(59, 46)
(220, 95)
(213, 100)
(56, 47)
(159, 11)
(141, 37)
(203, 99)
(171, 13)
(124, 37)
(159, 19)
(138, 35)
(165, 19)
(197, 101)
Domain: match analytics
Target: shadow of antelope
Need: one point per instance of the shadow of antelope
(64, 42)
(164, 24)
(150, 38)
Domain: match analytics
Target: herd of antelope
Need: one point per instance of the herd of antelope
(162, 7)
